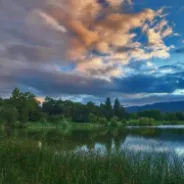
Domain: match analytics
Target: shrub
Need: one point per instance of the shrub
(9, 114)
(103, 120)
(146, 121)
(133, 122)
(92, 118)
(114, 122)
(123, 122)
(63, 123)
(141, 121)
(55, 118)
(18, 124)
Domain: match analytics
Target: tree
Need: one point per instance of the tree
(9, 114)
(15, 95)
(180, 116)
(29, 109)
(26, 105)
(92, 118)
(108, 109)
(119, 110)
(155, 114)
(114, 122)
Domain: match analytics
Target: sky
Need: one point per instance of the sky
(87, 50)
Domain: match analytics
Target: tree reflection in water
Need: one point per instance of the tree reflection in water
(109, 140)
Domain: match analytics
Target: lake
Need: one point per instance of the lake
(164, 139)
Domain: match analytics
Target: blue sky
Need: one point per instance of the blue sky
(90, 50)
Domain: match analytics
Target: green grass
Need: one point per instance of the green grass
(86, 126)
(22, 162)
(75, 126)
(91, 126)
(39, 125)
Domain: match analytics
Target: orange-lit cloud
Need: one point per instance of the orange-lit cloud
(92, 27)
(83, 31)
(40, 99)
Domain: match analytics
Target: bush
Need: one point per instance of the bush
(123, 122)
(63, 123)
(18, 124)
(92, 118)
(114, 122)
(146, 121)
(9, 114)
(141, 121)
(103, 120)
(133, 122)
(55, 118)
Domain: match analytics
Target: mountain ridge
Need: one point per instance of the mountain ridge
(173, 106)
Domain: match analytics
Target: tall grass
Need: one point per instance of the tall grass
(25, 163)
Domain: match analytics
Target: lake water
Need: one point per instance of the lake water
(164, 139)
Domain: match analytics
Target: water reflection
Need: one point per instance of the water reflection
(107, 141)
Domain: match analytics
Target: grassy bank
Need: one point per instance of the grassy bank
(151, 122)
(25, 163)
(75, 126)
(90, 126)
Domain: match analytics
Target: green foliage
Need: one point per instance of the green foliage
(63, 123)
(108, 109)
(26, 105)
(114, 122)
(92, 118)
(25, 162)
(146, 121)
(23, 107)
(8, 114)
(119, 110)
(18, 124)
(55, 118)
(103, 120)
(141, 121)
(155, 114)
(53, 110)
(123, 121)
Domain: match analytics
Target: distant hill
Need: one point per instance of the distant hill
(162, 106)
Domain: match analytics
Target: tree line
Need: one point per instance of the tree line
(24, 107)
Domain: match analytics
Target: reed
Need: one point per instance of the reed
(24, 162)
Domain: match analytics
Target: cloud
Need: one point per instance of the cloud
(69, 31)
(46, 80)
(117, 3)
(31, 53)
(98, 68)
(142, 83)
(179, 51)
(40, 37)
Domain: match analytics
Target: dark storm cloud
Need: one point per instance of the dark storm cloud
(58, 83)
(49, 80)
(63, 83)
(31, 53)
(151, 84)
